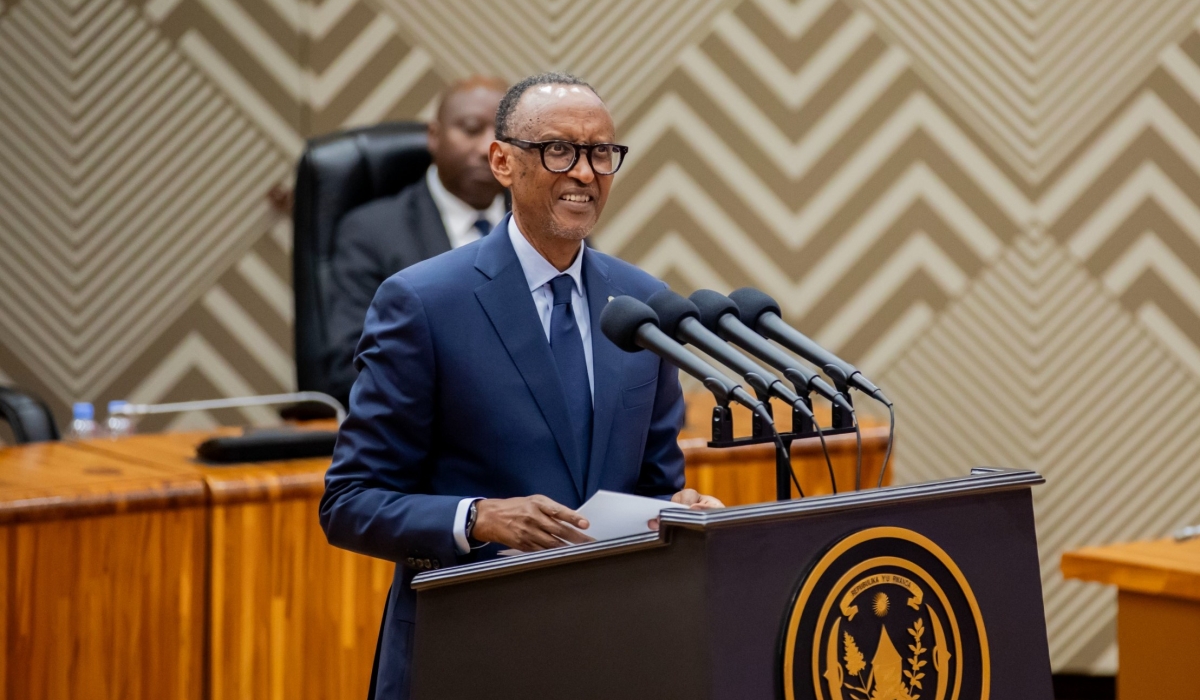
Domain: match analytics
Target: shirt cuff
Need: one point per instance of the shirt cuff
(460, 525)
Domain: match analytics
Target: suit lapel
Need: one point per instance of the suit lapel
(607, 361)
(509, 305)
(427, 223)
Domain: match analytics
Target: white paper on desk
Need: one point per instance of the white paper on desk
(611, 514)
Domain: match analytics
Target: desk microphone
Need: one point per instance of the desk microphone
(679, 318)
(761, 313)
(632, 326)
(720, 315)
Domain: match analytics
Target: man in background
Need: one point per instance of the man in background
(457, 202)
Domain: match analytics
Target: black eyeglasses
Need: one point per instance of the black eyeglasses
(561, 156)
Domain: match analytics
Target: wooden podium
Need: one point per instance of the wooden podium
(925, 592)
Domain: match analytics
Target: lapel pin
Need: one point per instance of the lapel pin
(610, 298)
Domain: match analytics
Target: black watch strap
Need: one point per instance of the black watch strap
(472, 513)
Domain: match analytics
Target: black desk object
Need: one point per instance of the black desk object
(267, 445)
(779, 600)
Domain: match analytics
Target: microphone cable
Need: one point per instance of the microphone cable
(891, 434)
(791, 470)
(783, 447)
(828, 461)
(858, 460)
(825, 449)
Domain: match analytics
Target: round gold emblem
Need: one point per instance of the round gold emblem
(885, 614)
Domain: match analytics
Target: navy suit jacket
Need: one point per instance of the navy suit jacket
(457, 395)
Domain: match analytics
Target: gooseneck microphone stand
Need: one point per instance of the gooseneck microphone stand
(802, 428)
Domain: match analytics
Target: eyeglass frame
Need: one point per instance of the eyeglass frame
(579, 147)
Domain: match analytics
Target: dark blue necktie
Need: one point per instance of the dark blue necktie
(567, 345)
(483, 226)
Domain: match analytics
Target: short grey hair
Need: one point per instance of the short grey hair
(508, 104)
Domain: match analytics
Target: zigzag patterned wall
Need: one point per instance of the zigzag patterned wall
(989, 205)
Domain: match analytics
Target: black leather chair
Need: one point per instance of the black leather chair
(337, 173)
(28, 416)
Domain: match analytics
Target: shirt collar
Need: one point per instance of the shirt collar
(538, 270)
(458, 216)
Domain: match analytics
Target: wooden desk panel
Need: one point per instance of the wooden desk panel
(1158, 638)
(1158, 612)
(1160, 567)
(290, 616)
(744, 475)
(55, 480)
(104, 577)
(261, 481)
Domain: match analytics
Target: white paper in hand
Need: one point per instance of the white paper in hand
(611, 515)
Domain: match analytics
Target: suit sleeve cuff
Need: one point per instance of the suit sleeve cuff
(460, 525)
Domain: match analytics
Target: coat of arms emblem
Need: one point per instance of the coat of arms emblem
(885, 615)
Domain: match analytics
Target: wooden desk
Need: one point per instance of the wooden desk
(743, 475)
(1158, 612)
(289, 615)
(141, 573)
(103, 560)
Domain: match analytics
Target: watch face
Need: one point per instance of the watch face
(471, 519)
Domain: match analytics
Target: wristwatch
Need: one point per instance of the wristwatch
(472, 513)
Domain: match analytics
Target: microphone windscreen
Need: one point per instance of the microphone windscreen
(752, 304)
(621, 319)
(671, 309)
(712, 306)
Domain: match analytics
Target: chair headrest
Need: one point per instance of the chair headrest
(337, 173)
(341, 171)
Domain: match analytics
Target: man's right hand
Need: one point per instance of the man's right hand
(528, 524)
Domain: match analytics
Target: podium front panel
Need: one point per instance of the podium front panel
(763, 566)
(592, 629)
(929, 592)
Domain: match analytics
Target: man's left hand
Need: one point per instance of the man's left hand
(694, 500)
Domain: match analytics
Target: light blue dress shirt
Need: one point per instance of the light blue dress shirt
(538, 273)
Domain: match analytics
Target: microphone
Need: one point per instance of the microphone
(720, 314)
(762, 314)
(633, 326)
(679, 318)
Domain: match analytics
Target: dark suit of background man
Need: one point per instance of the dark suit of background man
(457, 202)
(483, 375)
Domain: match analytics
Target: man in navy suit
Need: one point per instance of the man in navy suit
(488, 405)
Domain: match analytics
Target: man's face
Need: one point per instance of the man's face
(459, 140)
(566, 205)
